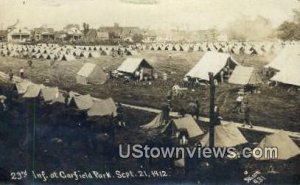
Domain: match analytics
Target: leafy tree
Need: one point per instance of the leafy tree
(86, 28)
(71, 26)
(290, 30)
(137, 38)
(245, 28)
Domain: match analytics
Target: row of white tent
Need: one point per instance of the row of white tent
(55, 52)
(51, 95)
(235, 48)
(226, 135)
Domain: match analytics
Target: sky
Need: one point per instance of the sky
(153, 14)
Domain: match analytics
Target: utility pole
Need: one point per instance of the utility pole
(212, 111)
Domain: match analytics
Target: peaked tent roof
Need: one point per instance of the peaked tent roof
(155, 123)
(83, 102)
(93, 73)
(130, 65)
(244, 75)
(210, 62)
(190, 125)
(290, 55)
(285, 145)
(86, 69)
(103, 108)
(50, 93)
(227, 135)
(22, 86)
(67, 57)
(59, 99)
(33, 91)
(289, 73)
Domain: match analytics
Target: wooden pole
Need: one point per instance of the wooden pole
(212, 114)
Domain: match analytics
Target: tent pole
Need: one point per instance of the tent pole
(212, 115)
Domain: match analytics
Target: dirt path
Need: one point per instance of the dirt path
(293, 135)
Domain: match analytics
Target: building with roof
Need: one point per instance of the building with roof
(3, 35)
(71, 33)
(18, 35)
(43, 34)
(102, 35)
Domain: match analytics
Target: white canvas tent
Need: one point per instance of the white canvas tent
(130, 65)
(211, 62)
(289, 75)
(288, 65)
(285, 146)
(82, 102)
(288, 56)
(225, 136)
(22, 86)
(33, 91)
(50, 93)
(90, 73)
(155, 123)
(59, 99)
(67, 57)
(186, 123)
(105, 107)
(244, 75)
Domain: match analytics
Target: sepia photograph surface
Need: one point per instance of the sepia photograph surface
(149, 92)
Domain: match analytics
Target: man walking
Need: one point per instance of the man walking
(10, 75)
(247, 116)
(120, 115)
(238, 104)
(197, 111)
(22, 72)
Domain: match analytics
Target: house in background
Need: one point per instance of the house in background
(72, 33)
(43, 34)
(117, 32)
(3, 35)
(102, 35)
(60, 36)
(18, 35)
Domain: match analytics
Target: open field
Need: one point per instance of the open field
(275, 108)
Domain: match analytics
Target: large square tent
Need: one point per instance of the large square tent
(211, 62)
(244, 76)
(90, 73)
(131, 65)
(288, 75)
(288, 56)
(287, 66)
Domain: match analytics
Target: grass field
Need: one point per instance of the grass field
(275, 108)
